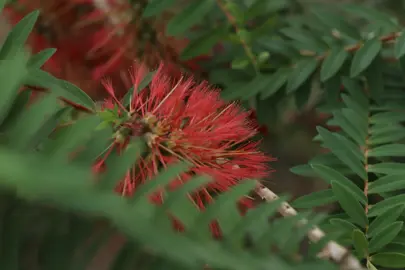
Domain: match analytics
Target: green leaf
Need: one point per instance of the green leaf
(248, 90)
(399, 49)
(119, 165)
(302, 71)
(176, 201)
(343, 224)
(349, 127)
(365, 56)
(275, 82)
(374, 76)
(344, 151)
(370, 266)
(39, 59)
(335, 21)
(126, 101)
(49, 126)
(389, 150)
(2, 4)
(389, 259)
(73, 137)
(385, 236)
(349, 204)
(387, 168)
(387, 218)
(255, 222)
(163, 178)
(387, 183)
(385, 205)
(360, 243)
(189, 16)
(31, 121)
(60, 87)
(223, 203)
(317, 198)
(203, 45)
(329, 175)
(303, 170)
(333, 63)
(156, 7)
(18, 36)
(371, 14)
(384, 117)
(12, 72)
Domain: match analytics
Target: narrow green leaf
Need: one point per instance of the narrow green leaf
(396, 136)
(223, 203)
(126, 101)
(389, 150)
(245, 91)
(60, 87)
(387, 117)
(387, 183)
(163, 178)
(202, 45)
(12, 72)
(387, 218)
(303, 170)
(179, 204)
(360, 243)
(335, 21)
(387, 168)
(389, 259)
(119, 165)
(156, 7)
(349, 127)
(372, 15)
(73, 137)
(315, 199)
(333, 62)
(276, 81)
(189, 16)
(332, 91)
(329, 175)
(302, 71)
(31, 121)
(364, 56)
(388, 203)
(374, 76)
(39, 59)
(344, 151)
(255, 222)
(349, 204)
(48, 127)
(17, 108)
(385, 236)
(399, 49)
(343, 224)
(18, 36)
(2, 4)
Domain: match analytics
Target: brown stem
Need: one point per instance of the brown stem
(234, 24)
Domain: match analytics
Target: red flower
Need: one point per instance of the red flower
(181, 120)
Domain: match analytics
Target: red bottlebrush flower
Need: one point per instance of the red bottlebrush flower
(185, 121)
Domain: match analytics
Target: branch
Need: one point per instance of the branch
(332, 251)
(234, 24)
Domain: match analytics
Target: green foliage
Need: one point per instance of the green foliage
(274, 54)
(42, 184)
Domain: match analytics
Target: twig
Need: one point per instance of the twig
(332, 250)
(234, 24)
(352, 48)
